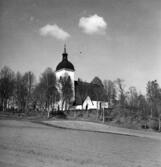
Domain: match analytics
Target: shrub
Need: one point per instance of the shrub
(58, 114)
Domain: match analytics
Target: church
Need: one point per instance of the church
(89, 101)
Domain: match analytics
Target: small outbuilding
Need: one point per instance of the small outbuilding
(91, 103)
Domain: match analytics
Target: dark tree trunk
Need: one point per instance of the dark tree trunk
(159, 121)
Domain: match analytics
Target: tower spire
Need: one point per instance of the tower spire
(65, 48)
(65, 55)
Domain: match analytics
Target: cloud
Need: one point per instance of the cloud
(54, 31)
(93, 24)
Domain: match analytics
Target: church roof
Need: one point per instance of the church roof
(65, 64)
(89, 89)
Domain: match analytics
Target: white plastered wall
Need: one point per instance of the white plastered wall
(62, 73)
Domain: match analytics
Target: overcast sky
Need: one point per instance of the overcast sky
(106, 38)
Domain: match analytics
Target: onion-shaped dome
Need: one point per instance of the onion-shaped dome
(65, 64)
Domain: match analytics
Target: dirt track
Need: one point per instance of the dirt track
(25, 144)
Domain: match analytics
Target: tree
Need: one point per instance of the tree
(154, 98)
(24, 86)
(132, 102)
(110, 91)
(20, 92)
(66, 90)
(82, 90)
(97, 91)
(6, 86)
(29, 80)
(143, 109)
(120, 86)
(39, 96)
(46, 93)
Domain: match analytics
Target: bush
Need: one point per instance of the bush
(153, 124)
(58, 114)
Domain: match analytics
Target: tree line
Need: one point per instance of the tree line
(24, 92)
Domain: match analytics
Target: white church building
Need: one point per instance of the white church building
(65, 67)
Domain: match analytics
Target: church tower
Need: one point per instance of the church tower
(65, 67)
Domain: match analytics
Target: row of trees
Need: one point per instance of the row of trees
(22, 91)
(128, 103)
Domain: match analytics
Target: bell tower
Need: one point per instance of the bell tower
(66, 68)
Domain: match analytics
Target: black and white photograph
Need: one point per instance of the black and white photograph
(80, 83)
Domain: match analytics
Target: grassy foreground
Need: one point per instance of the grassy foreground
(24, 144)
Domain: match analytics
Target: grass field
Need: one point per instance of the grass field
(26, 144)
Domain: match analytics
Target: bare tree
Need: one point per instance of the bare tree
(154, 98)
(110, 89)
(39, 96)
(20, 92)
(143, 109)
(67, 91)
(46, 93)
(132, 102)
(29, 81)
(121, 89)
(97, 91)
(6, 86)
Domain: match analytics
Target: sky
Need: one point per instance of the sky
(106, 38)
